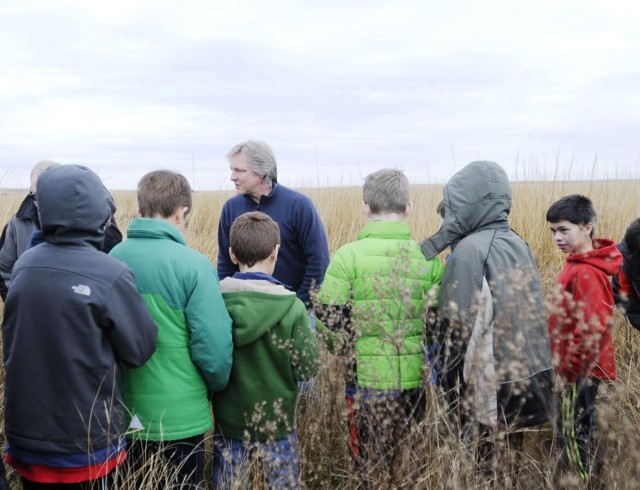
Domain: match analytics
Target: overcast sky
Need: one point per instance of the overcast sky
(338, 88)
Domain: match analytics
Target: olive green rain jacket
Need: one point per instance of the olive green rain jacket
(496, 345)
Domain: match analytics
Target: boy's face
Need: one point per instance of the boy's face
(572, 238)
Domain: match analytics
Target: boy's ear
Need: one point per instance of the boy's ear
(181, 215)
(366, 209)
(408, 209)
(274, 253)
(588, 228)
(139, 213)
(234, 259)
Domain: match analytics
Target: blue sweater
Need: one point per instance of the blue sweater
(304, 251)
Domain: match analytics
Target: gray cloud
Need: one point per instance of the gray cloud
(145, 89)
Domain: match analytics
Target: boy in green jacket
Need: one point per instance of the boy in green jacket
(274, 349)
(168, 397)
(372, 309)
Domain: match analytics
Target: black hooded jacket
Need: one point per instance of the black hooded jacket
(628, 300)
(73, 315)
(18, 235)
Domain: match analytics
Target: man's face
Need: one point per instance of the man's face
(246, 180)
(572, 238)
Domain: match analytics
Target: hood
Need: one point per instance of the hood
(74, 205)
(604, 256)
(28, 210)
(256, 306)
(154, 228)
(477, 197)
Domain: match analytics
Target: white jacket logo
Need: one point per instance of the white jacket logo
(82, 289)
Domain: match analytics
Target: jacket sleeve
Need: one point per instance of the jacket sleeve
(314, 246)
(8, 255)
(436, 271)
(225, 267)
(625, 294)
(619, 295)
(333, 307)
(210, 328)
(591, 318)
(432, 295)
(462, 287)
(334, 327)
(632, 312)
(305, 355)
(112, 235)
(129, 324)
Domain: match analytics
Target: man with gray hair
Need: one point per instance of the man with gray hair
(304, 251)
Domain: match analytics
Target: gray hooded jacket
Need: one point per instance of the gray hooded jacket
(494, 330)
(15, 239)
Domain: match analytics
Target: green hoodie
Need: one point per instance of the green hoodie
(274, 348)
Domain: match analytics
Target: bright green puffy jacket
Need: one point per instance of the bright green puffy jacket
(389, 282)
(169, 394)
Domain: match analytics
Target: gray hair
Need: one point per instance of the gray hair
(386, 191)
(260, 158)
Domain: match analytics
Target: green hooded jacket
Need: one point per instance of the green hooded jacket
(390, 284)
(169, 394)
(274, 348)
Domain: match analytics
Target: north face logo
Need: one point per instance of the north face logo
(82, 289)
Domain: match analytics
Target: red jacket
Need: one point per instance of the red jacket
(581, 314)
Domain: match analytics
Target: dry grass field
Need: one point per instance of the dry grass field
(434, 459)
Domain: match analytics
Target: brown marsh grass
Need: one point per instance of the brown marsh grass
(432, 458)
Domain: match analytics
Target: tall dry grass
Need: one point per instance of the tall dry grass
(433, 459)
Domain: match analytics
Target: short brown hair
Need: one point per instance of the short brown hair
(253, 237)
(163, 192)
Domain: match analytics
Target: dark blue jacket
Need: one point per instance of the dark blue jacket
(23, 232)
(304, 251)
(72, 317)
(629, 301)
